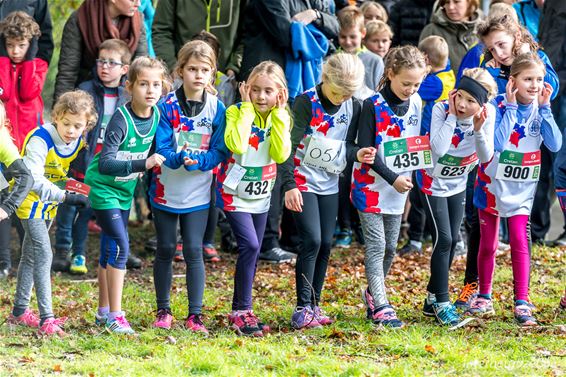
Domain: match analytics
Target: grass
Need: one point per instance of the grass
(351, 347)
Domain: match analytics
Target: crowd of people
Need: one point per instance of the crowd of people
(294, 126)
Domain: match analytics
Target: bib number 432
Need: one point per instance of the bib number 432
(257, 188)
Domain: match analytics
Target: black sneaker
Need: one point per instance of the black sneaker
(409, 249)
(61, 262)
(133, 262)
(560, 241)
(428, 309)
(151, 245)
(276, 255)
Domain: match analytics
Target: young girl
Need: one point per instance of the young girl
(504, 40)
(12, 166)
(390, 121)
(461, 133)
(191, 139)
(506, 185)
(258, 135)
(113, 174)
(323, 141)
(378, 37)
(49, 151)
(373, 11)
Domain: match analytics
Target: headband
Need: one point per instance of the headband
(474, 88)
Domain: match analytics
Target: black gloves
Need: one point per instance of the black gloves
(78, 200)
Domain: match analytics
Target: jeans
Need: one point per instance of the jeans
(72, 228)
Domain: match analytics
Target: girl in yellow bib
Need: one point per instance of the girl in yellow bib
(48, 152)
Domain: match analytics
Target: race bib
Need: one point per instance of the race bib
(326, 154)
(410, 153)
(130, 156)
(234, 177)
(449, 166)
(518, 167)
(193, 142)
(258, 182)
(72, 185)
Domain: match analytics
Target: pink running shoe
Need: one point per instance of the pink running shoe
(164, 319)
(245, 322)
(28, 319)
(194, 323)
(52, 326)
(321, 316)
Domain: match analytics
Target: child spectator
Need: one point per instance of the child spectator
(22, 74)
(373, 11)
(108, 92)
(352, 32)
(378, 37)
(440, 79)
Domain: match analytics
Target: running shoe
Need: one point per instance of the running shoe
(179, 257)
(194, 323)
(163, 319)
(468, 292)
(78, 265)
(304, 318)
(428, 310)
(210, 253)
(276, 255)
(120, 325)
(409, 249)
(481, 307)
(344, 239)
(52, 326)
(245, 322)
(386, 316)
(447, 315)
(563, 303)
(523, 314)
(100, 320)
(28, 319)
(321, 316)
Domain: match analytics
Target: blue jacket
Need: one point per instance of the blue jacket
(473, 59)
(529, 16)
(304, 64)
(146, 7)
(551, 77)
(95, 88)
(434, 88)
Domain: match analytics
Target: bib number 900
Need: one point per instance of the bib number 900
(406, 160)
(516, 172)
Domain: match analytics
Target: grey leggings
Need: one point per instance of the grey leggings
(35, 268)
(381, 233)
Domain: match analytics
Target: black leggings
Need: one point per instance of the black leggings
(193, 225)
(316, 228)
(445, 214)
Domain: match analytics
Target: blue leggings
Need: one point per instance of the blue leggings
(114, 241)
(248, 229)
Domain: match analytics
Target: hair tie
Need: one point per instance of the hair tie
(474, 88)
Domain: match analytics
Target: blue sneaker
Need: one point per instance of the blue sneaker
(120, 325)
(344, 239)
(100, 320)
(78, 265)
(447, 315)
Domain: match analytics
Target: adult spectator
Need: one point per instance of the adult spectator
(94, 22)
(456, 21)
(39, 10)
(176, 22)
(408, 19)
(267, 25)
(528, 12)
(148, 11)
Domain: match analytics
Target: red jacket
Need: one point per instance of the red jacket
(20, 90)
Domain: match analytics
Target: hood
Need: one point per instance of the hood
(440, 18)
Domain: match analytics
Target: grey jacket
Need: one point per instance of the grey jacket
(460, 36)
(74, 66)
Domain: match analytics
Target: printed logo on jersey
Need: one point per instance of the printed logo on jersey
(256, 137)
(132, 142)
(457, 137)
(517, 134)
(534, 128)
(321, 121)
(362, 197)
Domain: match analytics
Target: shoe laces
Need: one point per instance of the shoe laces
(479, 302)
(468, 290)
(28, 317)
(195, 319)
(385, 314)
(448, 314)
(523, 310)
(122, 321)
(250, 319)
(52, 325)
(162, 314)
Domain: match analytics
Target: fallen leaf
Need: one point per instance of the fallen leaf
(57, 368)
(170, 340)
(429, 348)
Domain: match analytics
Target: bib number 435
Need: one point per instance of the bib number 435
(406, 160)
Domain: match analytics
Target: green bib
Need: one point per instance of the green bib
(109, 192)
